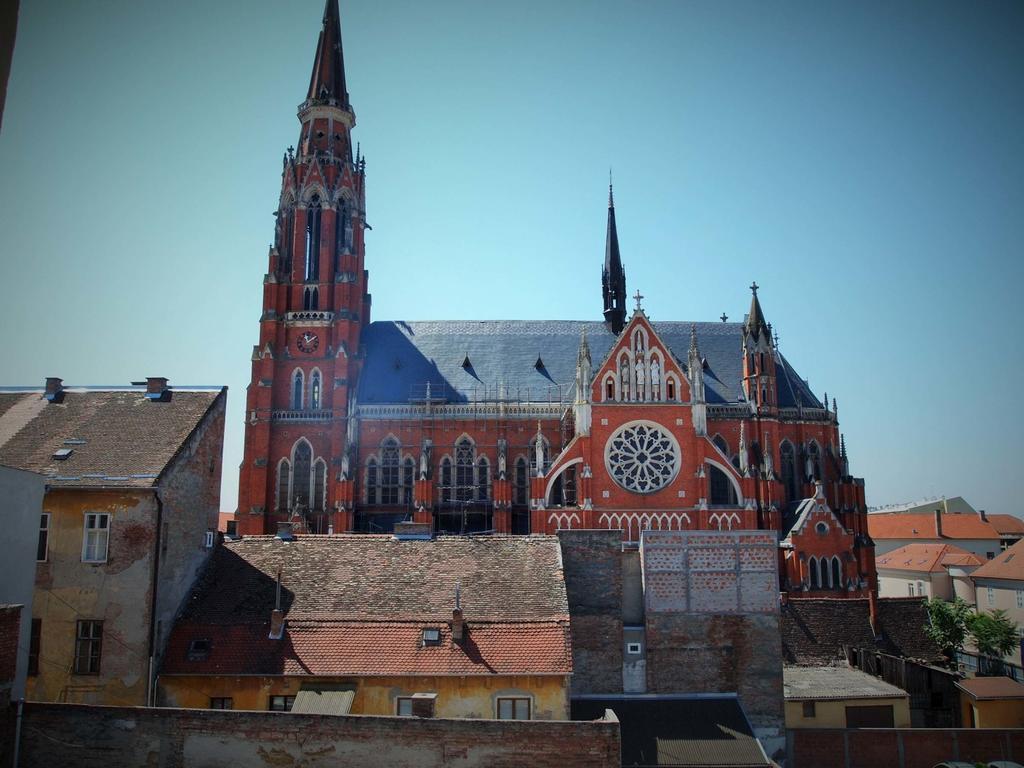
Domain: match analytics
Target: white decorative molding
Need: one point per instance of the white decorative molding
(724, 520)
(563, 520)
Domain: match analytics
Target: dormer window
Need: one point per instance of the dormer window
(431, 636)
(199, 650)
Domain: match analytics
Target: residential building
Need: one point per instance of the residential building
(1009, 527)
(129, 517)
(972, 532)
(927, 570)
(377, 625)
(24, 534)
(999, 583)
(841, 697)
(621, 422)
(992, 702)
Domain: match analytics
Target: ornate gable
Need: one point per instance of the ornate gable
(640, 367)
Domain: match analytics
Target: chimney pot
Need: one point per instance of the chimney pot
(157, 389)
(54, 389)
(938, 523)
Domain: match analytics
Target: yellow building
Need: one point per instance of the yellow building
(128, 519)
(992, 702)
(841, 697)
(377, 625)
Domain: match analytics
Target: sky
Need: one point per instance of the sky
(861, 161)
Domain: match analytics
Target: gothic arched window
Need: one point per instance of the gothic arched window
(465, 458)
(343, 228)
(302, 464)
(823, 565)
(519, 497)
(313, 239)
(722, 491)
(283, 475)
(408, 474)
(371, 481)
(482, 479)
(389, 479)
(319, 500)
(446, 479)
(789, 471)
(814, 461)
(311, 298)
(297, 386)
(837, 576)
(314, 391)
(812, 571)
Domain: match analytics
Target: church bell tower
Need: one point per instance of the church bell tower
(315, 306)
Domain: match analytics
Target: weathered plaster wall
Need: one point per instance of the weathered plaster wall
(831, 713)
(99, 737)
(460, 697)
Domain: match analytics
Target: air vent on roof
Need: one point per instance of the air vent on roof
(62, 453)
(199, 650)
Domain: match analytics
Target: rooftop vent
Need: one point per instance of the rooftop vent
(284, 531)
(157, 389)
(199, 650)
(63, 453)
(54, 389)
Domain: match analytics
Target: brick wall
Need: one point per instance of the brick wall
(592, 561)
(10, 627)
(900, 747)
(92, 736)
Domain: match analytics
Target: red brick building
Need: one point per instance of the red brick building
(520, 426)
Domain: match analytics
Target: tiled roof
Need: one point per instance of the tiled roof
(1007, 524)
(333, 649)
(814, 630)
(402, 357)
(915, 526)
(999, 687)
(358, 604)
(806, 683)
(927, 558)
(1006, 565)
(115, 438)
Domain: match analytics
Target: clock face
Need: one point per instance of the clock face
(307, 342)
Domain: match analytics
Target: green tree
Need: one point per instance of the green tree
(947, 623)
(993, 634)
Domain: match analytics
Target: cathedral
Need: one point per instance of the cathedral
(517, 427)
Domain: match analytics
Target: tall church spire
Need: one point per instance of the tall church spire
(755, 324)
(327, 82)
(613, 276)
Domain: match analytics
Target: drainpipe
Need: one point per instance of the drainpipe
(17, 731)
(157, 543)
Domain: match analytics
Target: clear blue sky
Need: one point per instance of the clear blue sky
(862, 161)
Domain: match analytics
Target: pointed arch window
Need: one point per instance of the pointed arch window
(721, 444)
(837, 576)
(789, 470)
(297, 387)
(812, 570)
(408, 475)
(823, 565)
(283, 476)
(314, 391)
(670, 389)
(313, 211)
(302, 462)
(343, 228)
(319, 500)
(813, 461)
(446, 479)
(722, 491)
(389, 474)
(483, 480)
(371, 481)
(519, 496)
(465, 458)
(311, 298)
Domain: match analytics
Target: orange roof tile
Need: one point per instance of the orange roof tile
(1006, 565)
(371, 648)
(992, 688)
(914, 526)
(1007, 524)
(927, 558)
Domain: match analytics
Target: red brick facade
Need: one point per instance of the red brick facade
(315, 457)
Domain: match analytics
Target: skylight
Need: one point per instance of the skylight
(62, 453)
(431, 636)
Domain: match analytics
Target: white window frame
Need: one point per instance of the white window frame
(209, 540)
(920, 589)
(1020, 598)
(407, 702)
(516, 701)
(87, 536)
(44, 529)
(910, 588)
(633, 648)
(991, 595)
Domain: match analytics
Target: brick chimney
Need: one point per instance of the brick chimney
(157, 389)
(54, 389)
(982, 515)
(938, 523)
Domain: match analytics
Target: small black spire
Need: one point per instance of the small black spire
(755, 324)
(328, 78)
(613, 276)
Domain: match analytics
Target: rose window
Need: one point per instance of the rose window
(642, 457)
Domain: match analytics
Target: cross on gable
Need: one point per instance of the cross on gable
(754, 286)
(724, 317)
(638, 296)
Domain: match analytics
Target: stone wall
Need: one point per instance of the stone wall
(592, 561)
(98, 737)
(900, 747)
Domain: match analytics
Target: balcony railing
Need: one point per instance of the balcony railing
(308, 415)
(309, 317)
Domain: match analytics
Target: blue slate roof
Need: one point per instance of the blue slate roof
(532, 360)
